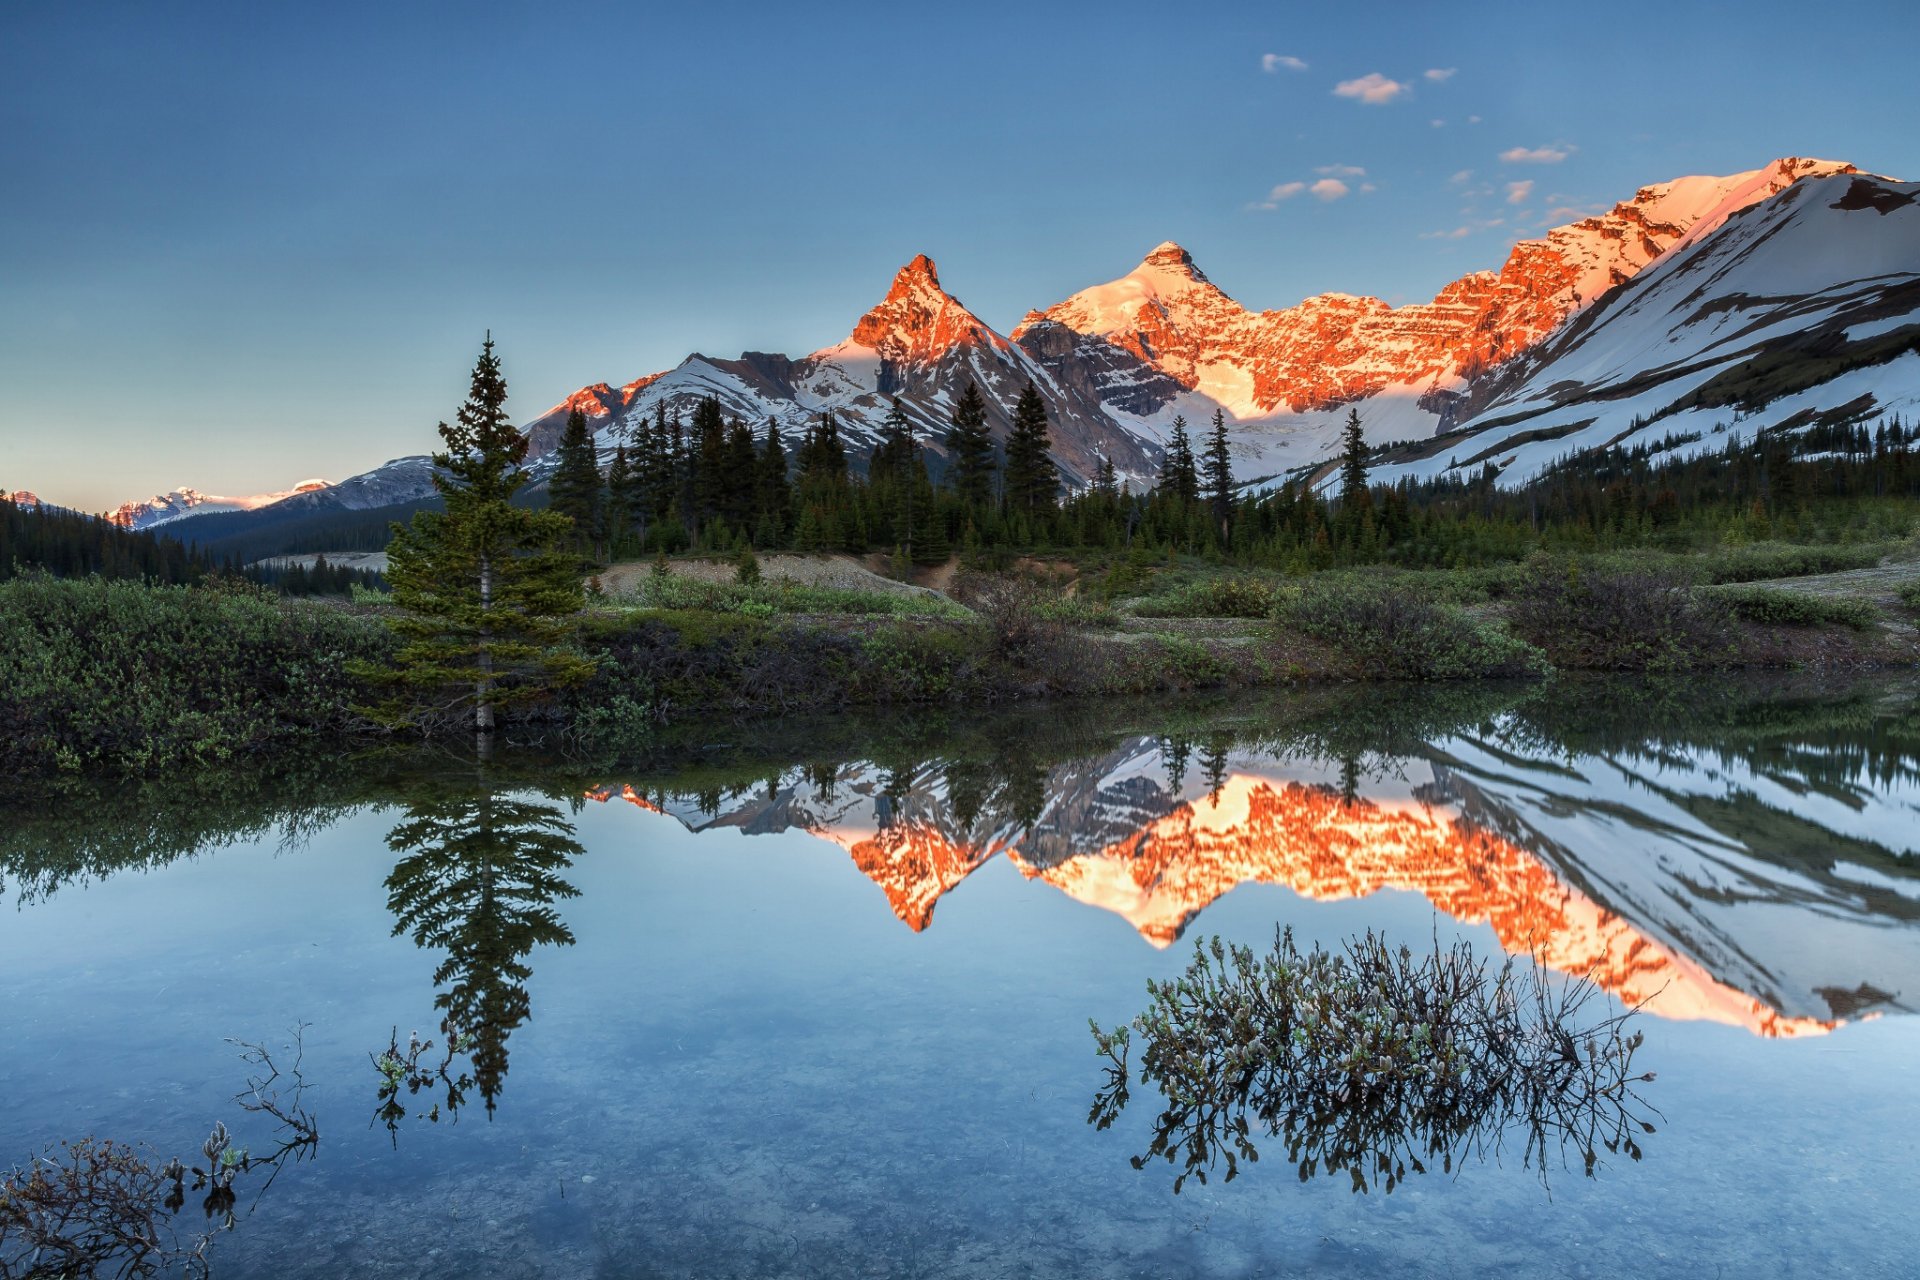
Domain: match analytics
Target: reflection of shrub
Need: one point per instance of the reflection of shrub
(1371, 1062)
(1623, 621)
(1773, 607)
(1387, 631)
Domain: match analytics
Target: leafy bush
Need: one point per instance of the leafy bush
(1623, 621)
(122, 676)
(1386, 630)
(1773, 607)
(1227, 597)
(1910, 595)
(1782, 560)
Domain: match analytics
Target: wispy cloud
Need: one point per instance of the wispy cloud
(1341, 171)
(1440, 74)
(1464, 176)
(1373, 89)
(1517, 192)
(1438, 124)
(1285, 191)
(1538, 155)
(1329, 189)
(1458, 233)
(1273, 63)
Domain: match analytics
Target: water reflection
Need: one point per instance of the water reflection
(478, 873)
(1750, 863)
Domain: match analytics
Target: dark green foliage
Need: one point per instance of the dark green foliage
(1770, 606)
(68, 544)
(1385, 630)
(970, 451)
(623, 504)
(121, 677)
(1354, 494)
(1623, 621)
(1032, 482)
(489, 599)
(1232, 596)
(574, 491)
(1179, 474)
(773, 495)
(1218, 470)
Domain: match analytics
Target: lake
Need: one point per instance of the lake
(813, 999)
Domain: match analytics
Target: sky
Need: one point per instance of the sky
(245, 245)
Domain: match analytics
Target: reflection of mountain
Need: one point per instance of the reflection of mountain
(1669, 881)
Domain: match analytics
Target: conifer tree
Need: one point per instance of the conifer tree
(773, 495)
(970, 447)
(1033, 483)
(488, 596)
(574, 491)
(1354, 497)
(1219, 474)
(621, 503)
(1179, 477)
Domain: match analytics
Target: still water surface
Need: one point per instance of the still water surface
(813, 1000)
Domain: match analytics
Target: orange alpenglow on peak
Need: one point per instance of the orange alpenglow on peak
(918, 318)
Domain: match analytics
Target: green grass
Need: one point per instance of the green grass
(764, 599)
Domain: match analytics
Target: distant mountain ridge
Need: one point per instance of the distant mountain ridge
(1117, 362)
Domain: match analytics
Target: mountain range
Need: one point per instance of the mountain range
(1775, 297)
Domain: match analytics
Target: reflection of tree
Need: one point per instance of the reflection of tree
(1372, 1062)
(478, 876)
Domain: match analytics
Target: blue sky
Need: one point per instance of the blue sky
(243, 245)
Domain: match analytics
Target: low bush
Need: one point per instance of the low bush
(1770, 606)
(1623, 621)
(1909, 594)
(1763, 560)
(1236, 596)
(125, 677)
(1388, 630)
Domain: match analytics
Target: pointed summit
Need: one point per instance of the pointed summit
(918, 319)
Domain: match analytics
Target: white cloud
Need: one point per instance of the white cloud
(1285, 191)
(1458, 233)
(1517, 192)
(1273, 62)
(1473, 119)
(1465, 175)
(1373, 89)
(1439, 74)
(1537, 155)
(1367, 188)
(1341, 171)
(1438, 124)
(1329, 189)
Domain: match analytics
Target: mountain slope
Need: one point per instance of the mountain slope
(166, 507)
(1802, 309)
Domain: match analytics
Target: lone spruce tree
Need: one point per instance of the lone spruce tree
(1179, 476)
(1354, 495)
(971, 448)
(488, 590)
(1219, 474)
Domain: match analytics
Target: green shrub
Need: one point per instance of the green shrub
(1763, 560)
(1909, 594)
(1623, 621)
(1773, 607)
(765, 598)
(1388, 630)
(127, 677)
(1236, 596)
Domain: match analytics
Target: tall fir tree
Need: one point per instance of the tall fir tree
(487, 594)
(773, 495)
(1179, 476)
(574, 490)
(622, 508)
(1354, 495)
(970, 450)
(1218, 470)
(1032, 480)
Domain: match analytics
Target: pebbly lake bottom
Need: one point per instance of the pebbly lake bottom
(815, 1001)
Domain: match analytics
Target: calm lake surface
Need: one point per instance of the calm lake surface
(813, 999)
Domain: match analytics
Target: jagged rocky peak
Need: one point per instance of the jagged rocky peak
(1170, 257)
(918, 318)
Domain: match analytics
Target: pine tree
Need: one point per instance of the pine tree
(622, 502)
(488, 595)
(574, 491)
(1354, 497)
(1179, 477)
(773, 495)
(1033, 483)
(1219, 473)
(970, 447)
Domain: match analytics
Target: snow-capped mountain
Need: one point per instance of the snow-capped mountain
(920, 343)
(1657, 873)
(1577, 335)
(22, 498)
(163, 508)
(1801, 309)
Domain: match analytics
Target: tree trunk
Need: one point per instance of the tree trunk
(483, 687)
